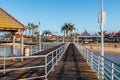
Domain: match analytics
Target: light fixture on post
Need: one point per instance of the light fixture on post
(102, 20)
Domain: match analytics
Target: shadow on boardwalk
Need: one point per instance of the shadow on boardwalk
(28, 62)
(72, 67)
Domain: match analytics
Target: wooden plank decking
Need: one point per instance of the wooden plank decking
(72, 67)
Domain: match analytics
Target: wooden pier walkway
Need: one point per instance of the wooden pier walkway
(72, 67)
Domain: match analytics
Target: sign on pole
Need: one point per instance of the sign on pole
(101, 17)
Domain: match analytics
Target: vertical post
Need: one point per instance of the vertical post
(31, 50)
(40, 41)
(102, 40)
(112, 72)
(77, 39)
(91, 59)
(13, 44)
(45, 46)
(102, 35)
(52, 61)
(84, 52)
(36, 48)
(60, 53)
(46, 68)
(56, 56)
(87, 55)
(98, 66)
(22, 47)
(4, 59)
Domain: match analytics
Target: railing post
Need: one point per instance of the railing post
(59, 54)
(30, 50)
(87, 55)
(56, 56)
(84, 52)
(80, 49)
(4, 59)
(45, 46)
(112, 72)
(98, 66)
(91, 62)
(52, 61)
(62, 50)
(36, 49)
(102, 67)
(46, 68)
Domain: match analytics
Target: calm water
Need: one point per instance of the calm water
(113, 57)
(7, 51)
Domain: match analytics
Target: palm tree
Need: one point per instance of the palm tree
(67, 27)
(33, 28)
(70, 27)
(104, 33)
(29, 28)
(63, 29)
(36, 30)
(46, 33)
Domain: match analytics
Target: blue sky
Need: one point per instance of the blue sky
(54, 13)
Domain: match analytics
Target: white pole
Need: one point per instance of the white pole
(102, 35)
(102, 41)
(40, 41)
(4, 59)
(14, 44)
(22, 46)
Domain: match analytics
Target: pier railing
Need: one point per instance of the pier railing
(44, 65)
(111, 69)
(44, 46)
(7, 50)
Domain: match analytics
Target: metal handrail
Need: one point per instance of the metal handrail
(51, 58)
(111, 69)
(32, 48)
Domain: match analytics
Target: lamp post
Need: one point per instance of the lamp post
(39, 37)
(39, 40)
(101, 25)
(101, 20)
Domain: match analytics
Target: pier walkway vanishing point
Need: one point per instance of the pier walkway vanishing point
(72, 67)
(61, 63)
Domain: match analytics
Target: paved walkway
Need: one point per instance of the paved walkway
(72, 67)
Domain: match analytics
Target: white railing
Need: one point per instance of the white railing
(111, 69)
(46, 64)
(8, 50)
(44, 46)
